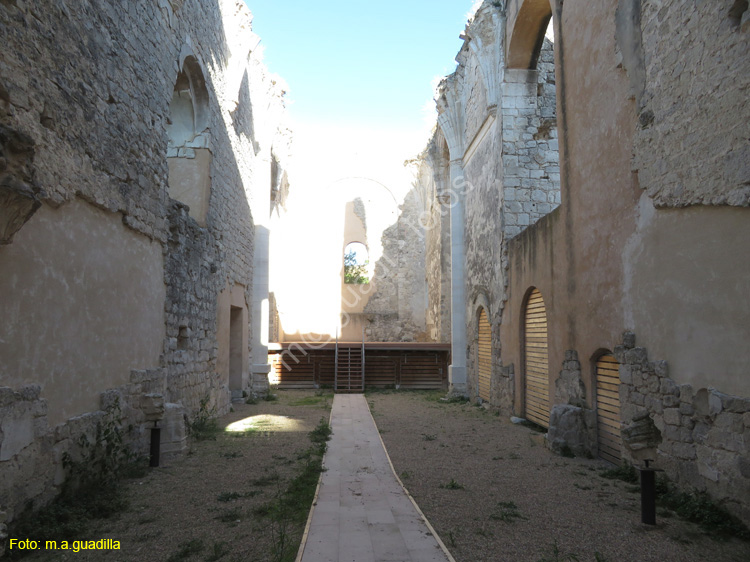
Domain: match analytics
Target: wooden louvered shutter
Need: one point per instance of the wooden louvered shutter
(485, 356)
(535, 360)
(608, 408)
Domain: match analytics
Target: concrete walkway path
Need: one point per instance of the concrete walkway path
(362, 513)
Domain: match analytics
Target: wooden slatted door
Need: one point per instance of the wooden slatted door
(608, 408)
(535, 360)
(485, 356)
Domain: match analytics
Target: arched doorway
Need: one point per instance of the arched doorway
(608, 407)
(536, 367)
(484, 352)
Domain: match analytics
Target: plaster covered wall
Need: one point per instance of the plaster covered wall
(110, 286)
(691, 143)
(617, 256)
(76, 282)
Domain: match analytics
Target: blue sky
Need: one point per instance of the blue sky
(360, 64)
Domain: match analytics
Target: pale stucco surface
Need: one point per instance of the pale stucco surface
(87, 306)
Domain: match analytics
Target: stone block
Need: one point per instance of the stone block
(626, 374)
(670, 401)
(572, 428)
(668, 387)
(628, 340)
(17, 432)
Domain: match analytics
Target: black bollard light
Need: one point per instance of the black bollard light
(155, 446)
(648, 494)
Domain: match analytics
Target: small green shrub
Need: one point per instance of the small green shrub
(204, 425)
(452, 485)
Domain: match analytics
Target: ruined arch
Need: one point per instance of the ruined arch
(526, 23)
(188, 154)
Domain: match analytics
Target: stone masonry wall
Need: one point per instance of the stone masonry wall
(701, 437)
(531, 168)
(691, 143)
(395, 310)
(87, 86)
(430, 183)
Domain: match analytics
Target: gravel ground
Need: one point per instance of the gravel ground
(514, 501)
(489, 487)
(182, 502)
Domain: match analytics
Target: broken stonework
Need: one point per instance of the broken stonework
(701, 438)
(569, 387)
(18, 202)
(572, 430)
(572, 425)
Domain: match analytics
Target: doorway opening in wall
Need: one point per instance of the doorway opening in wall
(535, 359)
(235, 349)
(608, 407)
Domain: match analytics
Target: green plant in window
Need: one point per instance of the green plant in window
(355, 273)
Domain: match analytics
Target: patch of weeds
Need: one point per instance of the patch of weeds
(266, 480)
(599, 557)
(204, 425)
(497, 458)
(482, 533)
(451, 539)
(633, 489)
(506, 512)
(581, 487)
(625, 472)
(514, 456)
(556, 555)
(307, 401)
(217, 551)
(700, 509)
(186, 550)
(454, 399)
(405, 475)
(251, 400)
(321, 433)
(228, 496)
(452, 485)
(665, 513)
(92, 489)
(231, 455)
(289, 509)
(429, 436)
(271, 397)
(230, 515)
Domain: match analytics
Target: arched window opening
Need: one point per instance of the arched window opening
(529, 27)
(356, 264)
(188, 155)
(536, 365)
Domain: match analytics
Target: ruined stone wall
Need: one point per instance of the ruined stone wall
(691, 145)
(430, 183)
(531, 181)
(698, 435)
(85, 123)
(638, 86)
(501, 124)
(395, 310)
